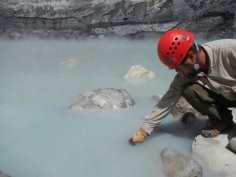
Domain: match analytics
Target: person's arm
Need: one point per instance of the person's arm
(161, 109)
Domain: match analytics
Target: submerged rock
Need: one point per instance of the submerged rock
(176, 164)
(3, 174)
(107, 98)
(70, 61)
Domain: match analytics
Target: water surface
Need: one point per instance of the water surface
(40, 137)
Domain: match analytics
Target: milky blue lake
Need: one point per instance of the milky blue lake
(40, 137)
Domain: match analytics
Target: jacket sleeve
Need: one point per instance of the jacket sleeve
(166, 104)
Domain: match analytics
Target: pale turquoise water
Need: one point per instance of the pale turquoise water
(40, 137)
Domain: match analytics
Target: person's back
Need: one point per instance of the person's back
(222, 67)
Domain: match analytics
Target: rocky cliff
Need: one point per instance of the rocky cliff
(133, 18)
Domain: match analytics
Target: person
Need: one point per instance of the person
(206, 78)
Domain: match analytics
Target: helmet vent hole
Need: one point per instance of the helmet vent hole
(167, 53)
(176, 38)
(175, 48)
(178, 43)
(170, 48)
(173, 53)
(173, 43)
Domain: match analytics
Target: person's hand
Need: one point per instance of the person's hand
(138, 137)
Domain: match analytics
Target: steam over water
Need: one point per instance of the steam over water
(40, 137)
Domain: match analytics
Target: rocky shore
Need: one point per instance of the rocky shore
(77, 19)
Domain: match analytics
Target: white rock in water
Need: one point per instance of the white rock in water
(139, 74)
(70, 61)
(107, 98)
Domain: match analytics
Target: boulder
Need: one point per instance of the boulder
(176, 164)
(107, 98)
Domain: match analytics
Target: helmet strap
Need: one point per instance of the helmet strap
(196, 66)
(197, 61)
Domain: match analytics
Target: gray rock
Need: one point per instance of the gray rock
(107, 98)
(232, 144)
(176, 164)
(2, 174)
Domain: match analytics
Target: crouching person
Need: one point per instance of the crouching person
(206, 78)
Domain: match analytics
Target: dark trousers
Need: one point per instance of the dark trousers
(208, 102)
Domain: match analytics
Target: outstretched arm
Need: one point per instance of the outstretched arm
(161, 109)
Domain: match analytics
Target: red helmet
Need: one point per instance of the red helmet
(173, 47)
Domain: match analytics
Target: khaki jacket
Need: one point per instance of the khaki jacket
(221, 79)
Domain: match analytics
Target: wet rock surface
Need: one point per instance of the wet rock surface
(96, 18)
(176, 164)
